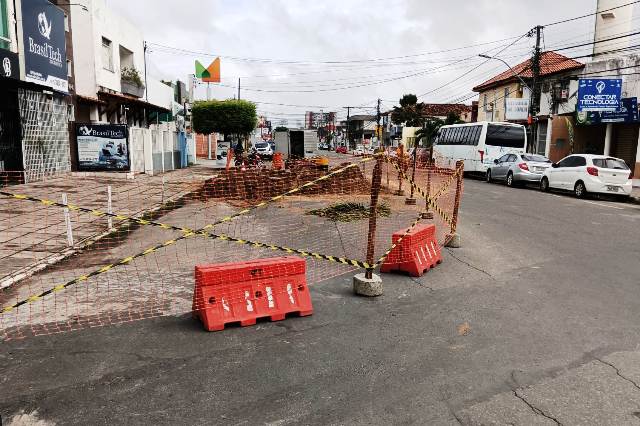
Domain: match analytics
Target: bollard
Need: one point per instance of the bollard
(67, 221)
(453, 239)
(368, 284)
(109, 208)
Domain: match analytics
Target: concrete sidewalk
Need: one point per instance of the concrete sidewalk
(33, 236)
(602, 391)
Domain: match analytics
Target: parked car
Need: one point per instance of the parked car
(587, 173)
(263, 149)
(341, 149)
(518, 168)
(360, 150)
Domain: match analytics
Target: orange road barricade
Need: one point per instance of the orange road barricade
(277, 162)
(245, 291)
(417, 252)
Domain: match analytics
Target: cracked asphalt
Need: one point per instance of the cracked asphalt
(535, 320)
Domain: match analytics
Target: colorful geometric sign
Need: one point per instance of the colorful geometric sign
(210, 74)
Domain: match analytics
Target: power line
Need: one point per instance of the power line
(590, 14)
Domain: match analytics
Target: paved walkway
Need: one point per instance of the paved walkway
(33, 236)
(604, 391)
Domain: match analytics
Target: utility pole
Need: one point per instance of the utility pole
(348, 117)
(378, 132)
(535, 93)
(238, 88)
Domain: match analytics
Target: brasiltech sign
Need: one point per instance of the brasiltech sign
(45, 57)
(102, 147)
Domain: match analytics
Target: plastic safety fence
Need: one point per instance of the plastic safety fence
(135, 257)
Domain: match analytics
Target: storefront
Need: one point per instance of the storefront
(43, 97)
(10, 137)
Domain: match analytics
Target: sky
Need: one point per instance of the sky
(312, 55)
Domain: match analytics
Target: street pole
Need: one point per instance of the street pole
(533, 102)
(378, 132)
(238, 88)
(348, 116)
(209, 135)
(146, 85)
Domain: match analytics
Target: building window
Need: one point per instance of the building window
(5, 41)
(66, 22)
(107, 54)
(506, 96)
(69, 72)
(485, 103)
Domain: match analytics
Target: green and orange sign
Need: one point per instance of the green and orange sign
(211, 74)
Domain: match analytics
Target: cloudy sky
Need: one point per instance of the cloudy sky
(330, 54)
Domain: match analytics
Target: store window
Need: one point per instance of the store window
(5, 41)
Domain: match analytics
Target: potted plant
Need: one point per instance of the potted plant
(131, 82)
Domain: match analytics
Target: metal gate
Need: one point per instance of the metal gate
(10, 132)
(626, 142)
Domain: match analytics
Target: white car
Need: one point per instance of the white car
(587, 173)
(360, 150)
(263, 149)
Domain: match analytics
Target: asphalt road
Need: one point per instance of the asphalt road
(543, 287)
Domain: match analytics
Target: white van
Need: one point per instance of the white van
(478, 144)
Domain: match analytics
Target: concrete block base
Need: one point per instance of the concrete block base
(427, 215)
(362, 286)
(410, 201)
(454, 241)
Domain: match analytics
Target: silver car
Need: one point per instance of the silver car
(518, 168)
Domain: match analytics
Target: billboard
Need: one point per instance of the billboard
(599, 94)
(102, 147)
(45, 56)
(516, 109)
(628, 114)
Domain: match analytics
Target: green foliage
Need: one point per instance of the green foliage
(453, 118)
(226, 117)
(427, 134)
(410, 112)
(132, 76)
(349, 212)
(281, 129)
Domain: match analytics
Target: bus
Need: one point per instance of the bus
(478, 144)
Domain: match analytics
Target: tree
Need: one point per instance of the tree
(428, 133)
(281, 129)
(232, 117)
(453, 118)
(410, 112)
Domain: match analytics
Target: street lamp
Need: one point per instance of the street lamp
(73, 4)
(508, 66)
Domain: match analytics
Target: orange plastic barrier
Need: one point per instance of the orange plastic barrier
(277, 162)
(417, 252)
(245, 291)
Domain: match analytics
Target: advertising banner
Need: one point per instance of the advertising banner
(628, 114)
(9, 65)
(102, 147)
(45, 56)
(599, 94)
(516, 109)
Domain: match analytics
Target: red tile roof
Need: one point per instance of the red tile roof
(442, 110)
(550, 63)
